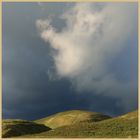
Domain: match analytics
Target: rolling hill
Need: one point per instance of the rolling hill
(84, 124)
(119, 127)
(71, 117)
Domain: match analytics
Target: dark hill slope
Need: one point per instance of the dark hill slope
(12, 127)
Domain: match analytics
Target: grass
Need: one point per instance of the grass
(94, 126)
(121, 127)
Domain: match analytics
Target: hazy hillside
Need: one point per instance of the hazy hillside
(13, 127)
(71, 117)
(74, 124)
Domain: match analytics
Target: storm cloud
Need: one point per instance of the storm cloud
(41, 78)
(93, 35)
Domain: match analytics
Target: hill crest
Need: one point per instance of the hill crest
(71, 117)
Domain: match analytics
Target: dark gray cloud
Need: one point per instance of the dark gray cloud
(28, 92)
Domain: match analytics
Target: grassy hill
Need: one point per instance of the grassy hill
(14, 127)
(125, 126)
(80, 124)
(71, 117)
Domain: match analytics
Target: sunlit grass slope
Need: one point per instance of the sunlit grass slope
(71, 117)
(124, 126)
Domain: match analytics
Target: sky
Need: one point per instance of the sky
(67, 56)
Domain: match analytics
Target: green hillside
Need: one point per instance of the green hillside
(14, 127)
(71, 117)
(125, 126)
